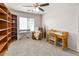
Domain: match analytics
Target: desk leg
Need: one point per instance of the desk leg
(63, 43)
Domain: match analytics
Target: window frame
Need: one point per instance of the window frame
(28, 27)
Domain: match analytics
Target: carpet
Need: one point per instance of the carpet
(30, 47)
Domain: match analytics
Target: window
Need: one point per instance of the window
(31, 24)
(26, 23)
(23, 23)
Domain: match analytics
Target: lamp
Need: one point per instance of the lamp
(36, 9)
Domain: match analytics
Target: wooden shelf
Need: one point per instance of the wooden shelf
(9, 38)
(3, 20)
(3, 29)
(3, 52)
(9, 16)
(9, 33)
(2, 11)
(2, 37)
(14, 26)
(2, 44)
(13, 35)
(9, 21)
(9, 28)
(13, 31)
(3, 6)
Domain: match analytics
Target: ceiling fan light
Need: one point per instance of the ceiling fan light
(36, 9)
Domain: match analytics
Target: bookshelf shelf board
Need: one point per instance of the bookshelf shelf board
(2, 44)
(2, 37)
(2, 11)
(3, 20)
(3, 6)
(9, 38)
(3, 29)
(9, 33)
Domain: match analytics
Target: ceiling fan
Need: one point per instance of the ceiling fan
(39, 6)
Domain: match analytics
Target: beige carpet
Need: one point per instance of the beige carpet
(29, 47)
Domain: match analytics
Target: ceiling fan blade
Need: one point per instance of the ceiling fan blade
(45, 4)
(28, 6)
(41, 9)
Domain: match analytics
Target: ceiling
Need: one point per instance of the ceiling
(21, 7)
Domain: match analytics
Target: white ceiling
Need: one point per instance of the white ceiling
(20, 7)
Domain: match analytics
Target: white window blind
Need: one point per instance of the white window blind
(23, 23)
(31, 24)
(26, 23)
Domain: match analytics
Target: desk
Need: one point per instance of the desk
(56, 37)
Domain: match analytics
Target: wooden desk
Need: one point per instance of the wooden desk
(62, 37)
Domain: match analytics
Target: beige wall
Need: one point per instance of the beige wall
(37, 17)
(63, 17)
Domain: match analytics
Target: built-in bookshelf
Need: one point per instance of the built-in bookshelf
(14, 27)
(5, 27)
